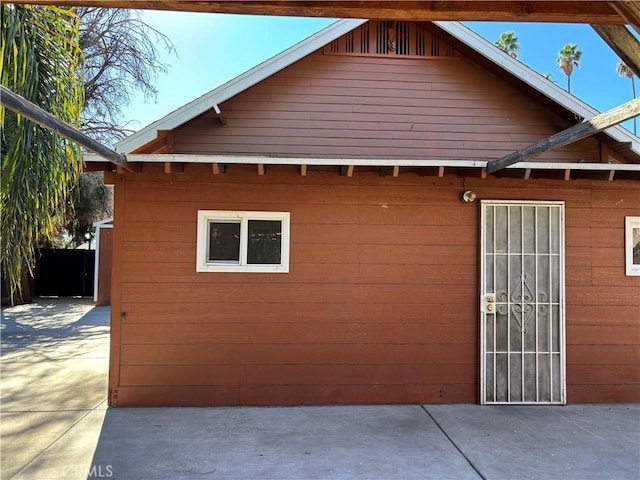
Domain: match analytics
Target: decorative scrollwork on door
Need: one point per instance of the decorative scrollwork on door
(522, 302)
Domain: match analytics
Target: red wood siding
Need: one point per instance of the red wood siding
(380, 107)
(380, 305)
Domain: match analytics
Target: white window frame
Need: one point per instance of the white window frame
(630, 224)
(202, 244)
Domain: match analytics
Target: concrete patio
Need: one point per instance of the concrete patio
(56, 425)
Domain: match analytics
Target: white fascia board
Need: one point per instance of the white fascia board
(238, 84)
(322, 162)
(534, 79)
(106, 223)
(361, 162)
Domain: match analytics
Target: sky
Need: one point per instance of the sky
(214, 48)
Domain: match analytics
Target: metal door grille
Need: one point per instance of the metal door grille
(522, 303)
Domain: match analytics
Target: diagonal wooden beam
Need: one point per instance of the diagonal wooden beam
(570, 135)
(24, 107)
(623, 43)
(629, 10)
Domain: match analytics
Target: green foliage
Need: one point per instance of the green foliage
(508, 43)
(568, 59)
(39, 60)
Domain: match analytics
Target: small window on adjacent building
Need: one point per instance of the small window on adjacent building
(242, 241)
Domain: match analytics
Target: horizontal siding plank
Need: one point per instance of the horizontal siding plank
(314, 214)
(448, 130)
(603, 355)
(309, 293)
(359, 394)
(161, 396)
(616, 197)
(604, 295)
(232, 194)
(602, 374)
(292, 333)
(176, 312)
(605, 276)
(580, 314)
(366, 189)
(295, 395)
(309, 354)
(578, 275)
(220, 375)
(603, 393)
(608, 257)
(611, 334)
(303, 272)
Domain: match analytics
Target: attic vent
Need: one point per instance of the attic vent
(384, 42)
(402, 38)
(420, 41)
(384, 38)
(349, 42)
(435, 47)
(364, 38)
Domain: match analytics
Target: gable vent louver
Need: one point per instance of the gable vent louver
(391, 38)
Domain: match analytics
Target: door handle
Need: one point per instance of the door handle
(487, 303)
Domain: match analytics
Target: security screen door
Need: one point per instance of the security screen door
(522, 303)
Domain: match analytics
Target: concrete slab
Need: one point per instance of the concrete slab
(546, 442)
(27, 434)
(54, 365)
(70, 456)
(365, 442)
(53, 385)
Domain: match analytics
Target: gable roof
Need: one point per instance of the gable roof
(472, 40)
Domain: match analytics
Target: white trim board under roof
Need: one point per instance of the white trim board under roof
(608, 169)
(212, 99)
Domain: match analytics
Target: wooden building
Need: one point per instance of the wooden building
(323, 230)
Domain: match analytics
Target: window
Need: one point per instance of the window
(242, 241)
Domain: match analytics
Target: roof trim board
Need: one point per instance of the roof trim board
(212, 99)
(358, 162)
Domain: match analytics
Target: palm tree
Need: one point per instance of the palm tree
(39, 60)
(508, 43)
(624, 71)
(568, 59)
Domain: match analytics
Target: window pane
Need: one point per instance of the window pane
(224, 241)
(265, 242)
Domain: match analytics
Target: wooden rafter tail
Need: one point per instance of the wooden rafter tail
(570, 135)
(24, 107)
